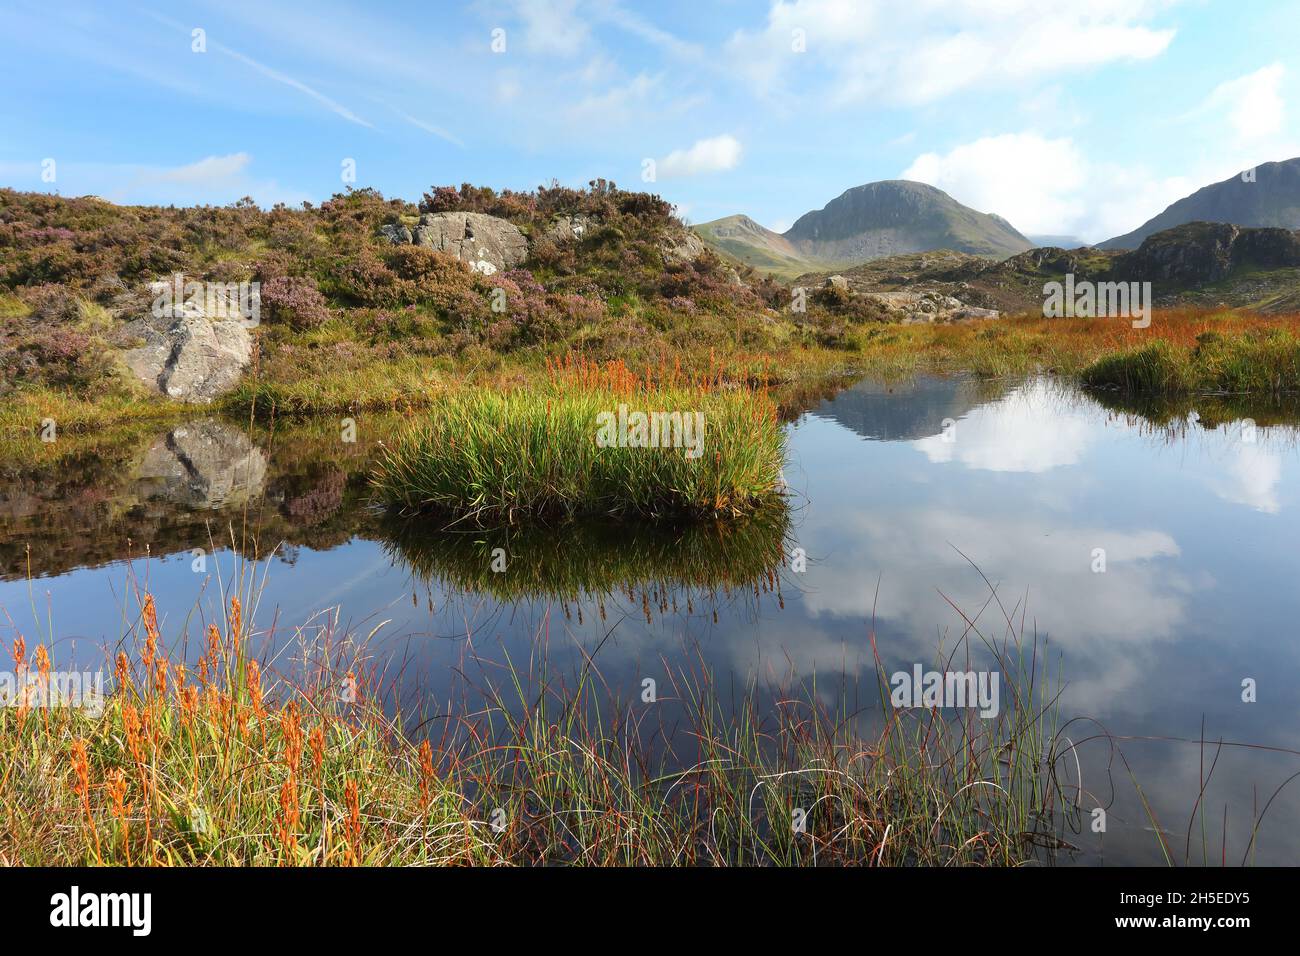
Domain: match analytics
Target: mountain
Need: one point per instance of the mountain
(1272, 199)
(1198, 264)
(898, 216)
(887, 218)
(746, 241)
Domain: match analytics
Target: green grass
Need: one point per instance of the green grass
(493, 457)
(1158, 367)
(1259, 362)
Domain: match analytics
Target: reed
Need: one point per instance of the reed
(232, 760)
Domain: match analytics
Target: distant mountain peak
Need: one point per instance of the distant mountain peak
(885, 218)
(898, 216)
(1267, 195)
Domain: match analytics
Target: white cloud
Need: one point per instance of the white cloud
(1253, 103)
(552, 26)
(1033, 182)
(1051, 186)
(707, 156)
(919, 52)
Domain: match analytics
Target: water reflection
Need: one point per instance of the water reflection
(582, 560)
(204, 465)
(909, 502)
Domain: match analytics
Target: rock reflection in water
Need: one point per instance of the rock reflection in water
(204, 465)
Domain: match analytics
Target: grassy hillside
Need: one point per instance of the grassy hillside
(768, 253)
(350, 321)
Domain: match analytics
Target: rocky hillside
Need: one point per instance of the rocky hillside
(1209, 264)
(362, 299)
(1271, 198)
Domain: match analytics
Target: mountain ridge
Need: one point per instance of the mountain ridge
(1266, 196)
(871, 221)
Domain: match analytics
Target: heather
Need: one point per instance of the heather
(350, 320)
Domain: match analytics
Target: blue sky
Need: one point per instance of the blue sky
(1082, 117)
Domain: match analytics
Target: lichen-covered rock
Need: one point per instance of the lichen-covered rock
(488, 244)
(189, 358)
(679, 248)
(569, 228)
(399, 234)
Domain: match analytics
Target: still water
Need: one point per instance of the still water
(1150, 552)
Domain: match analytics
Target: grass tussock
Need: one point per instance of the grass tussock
(216, 763)
(1256, 362)
(491, 457)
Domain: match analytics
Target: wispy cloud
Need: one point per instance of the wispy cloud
(332, 105)
(273, 74)
(427, 126)
(213, 169)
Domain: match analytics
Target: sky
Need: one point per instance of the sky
(1081, 118)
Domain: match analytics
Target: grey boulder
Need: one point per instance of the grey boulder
(679, 248)
(569, 228)
(486, 243)
(189, 358)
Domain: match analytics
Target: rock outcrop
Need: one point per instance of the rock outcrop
(911, 307)
(1201, 253)
(488, 244)
(679, 248)
(569, 228)
(188, 358)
